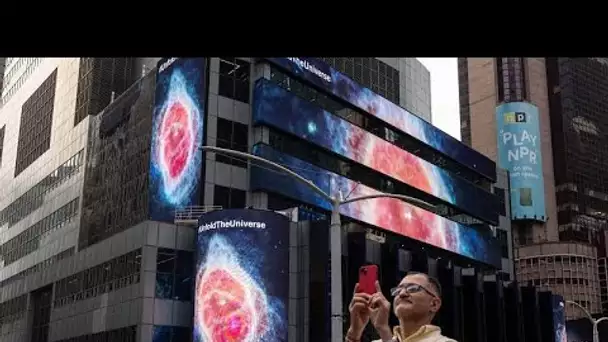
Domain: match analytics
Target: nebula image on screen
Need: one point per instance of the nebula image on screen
(242, 277)
(281, 109)
(326, 77)
(386, 213)
(178, 128)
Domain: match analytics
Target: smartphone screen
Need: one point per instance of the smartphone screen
(368, 275)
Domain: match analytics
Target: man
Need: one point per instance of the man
(416, 301)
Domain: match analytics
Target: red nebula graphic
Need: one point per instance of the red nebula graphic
(389, 159)
(176, 139)
(230, 305)
(398, 216)
(227, 312)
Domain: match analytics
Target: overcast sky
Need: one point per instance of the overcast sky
(445, 107)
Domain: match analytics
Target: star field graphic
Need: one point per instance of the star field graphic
(365, 99)
(391, 214)
(279, 108)
(242, 277)
(177, 130)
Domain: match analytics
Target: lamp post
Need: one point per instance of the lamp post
(334, 228)
(595, 322)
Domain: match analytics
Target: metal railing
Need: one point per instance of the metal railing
(191, 214)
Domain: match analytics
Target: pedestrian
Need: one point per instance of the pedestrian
(417, 299)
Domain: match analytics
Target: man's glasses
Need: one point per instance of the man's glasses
(410, 289)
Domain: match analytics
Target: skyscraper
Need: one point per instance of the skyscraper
(567, 98)
(80, 258)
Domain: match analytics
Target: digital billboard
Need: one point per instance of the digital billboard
(559, 318)
(242, 276)
(386, 213)
(326, 78)
(178, 122)
(519, 153)
(279, 108)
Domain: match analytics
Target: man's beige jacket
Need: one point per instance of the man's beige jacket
(427, 333)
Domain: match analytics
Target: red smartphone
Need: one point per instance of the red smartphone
(368, 275)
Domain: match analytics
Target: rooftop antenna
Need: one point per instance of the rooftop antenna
(113, 96)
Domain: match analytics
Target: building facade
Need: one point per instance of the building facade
(561, 252)
(404, 81)
(81, 258)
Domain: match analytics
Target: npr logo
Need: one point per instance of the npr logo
(515, 117)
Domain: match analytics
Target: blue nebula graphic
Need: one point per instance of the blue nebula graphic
(257, 264)
(460, 239)
(345, 88)
(281, 109)
(176, 164)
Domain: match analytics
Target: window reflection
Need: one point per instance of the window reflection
(165, 333)
(34, 197)
(13, 309)
(110, 276)
(174, 270)
(29, 241)
(232, 135)
(35, 126)
(234, 79)
(38, 267)
(127, 334)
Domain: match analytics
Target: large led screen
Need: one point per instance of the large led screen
(279, 108)
(176, 164)
(242, 276)
(519, 153)
(340, 85)
(386, 213)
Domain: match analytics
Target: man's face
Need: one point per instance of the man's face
(415, 298)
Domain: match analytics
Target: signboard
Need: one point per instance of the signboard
(178, 126)
(241, 276)
(519, 152)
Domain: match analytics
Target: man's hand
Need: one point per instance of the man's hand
(359, 313)
(380, 309)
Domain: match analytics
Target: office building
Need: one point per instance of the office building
(404, 81)
(561, 247)
(88, 240)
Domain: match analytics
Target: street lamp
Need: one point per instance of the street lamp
(595, 322)
(334, 228)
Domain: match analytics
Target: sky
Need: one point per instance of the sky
(445, 107)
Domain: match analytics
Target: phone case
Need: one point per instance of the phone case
(368, 275)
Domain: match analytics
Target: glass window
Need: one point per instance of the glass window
(232, 135)
(229, 197)
(174, 274)
(234, 79)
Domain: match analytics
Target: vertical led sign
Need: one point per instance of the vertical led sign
(519, 153)
(178, 126)
(242, 276)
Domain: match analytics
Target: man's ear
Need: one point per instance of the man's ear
(435, 304)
